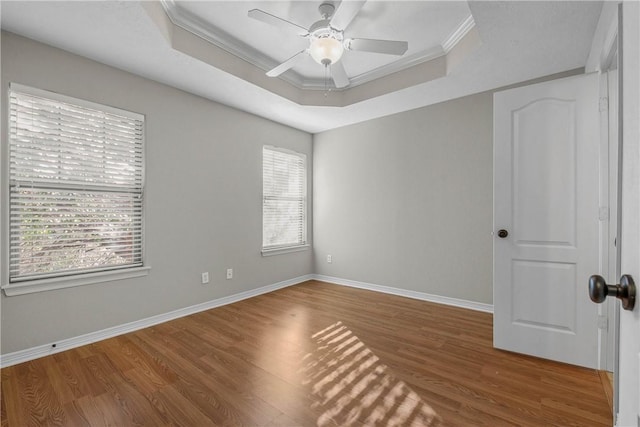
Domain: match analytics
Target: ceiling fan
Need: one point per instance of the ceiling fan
(326, 39)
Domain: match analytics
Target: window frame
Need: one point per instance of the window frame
(297, 247)
(72, 278)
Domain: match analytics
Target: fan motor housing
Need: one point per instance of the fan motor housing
(323, 28)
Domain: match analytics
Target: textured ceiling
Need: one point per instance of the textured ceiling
(519, 41)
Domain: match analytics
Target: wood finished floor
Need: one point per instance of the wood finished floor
(314, 354)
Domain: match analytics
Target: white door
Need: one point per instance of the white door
(628, 384)
(546, 178)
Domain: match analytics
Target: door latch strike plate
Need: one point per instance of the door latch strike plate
(603, 322)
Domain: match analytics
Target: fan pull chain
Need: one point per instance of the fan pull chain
(326, 80)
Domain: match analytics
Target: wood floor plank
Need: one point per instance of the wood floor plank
(40, 399)
(88, 406)
(14, 410)
(4, 421)
(313, 354)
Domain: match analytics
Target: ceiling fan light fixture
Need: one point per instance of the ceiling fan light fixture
(326, 39)
(326, 50)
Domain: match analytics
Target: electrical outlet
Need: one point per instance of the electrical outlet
(329, 259)
(205, 277)
(229, 273)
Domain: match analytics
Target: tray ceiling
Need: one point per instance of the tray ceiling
(514, 41)
(431, 29)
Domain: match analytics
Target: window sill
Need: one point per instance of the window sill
(41, 285)
(288, 249)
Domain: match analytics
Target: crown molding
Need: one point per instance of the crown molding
(214, 35)
(454, 38)
(195, 25)
(399, 65)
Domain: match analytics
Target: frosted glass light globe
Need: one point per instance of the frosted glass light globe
(326, 50)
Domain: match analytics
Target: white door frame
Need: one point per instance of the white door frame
(608, 214)
(603, 53)
(628, 373)
(603, 59)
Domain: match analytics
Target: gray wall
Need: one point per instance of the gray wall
(402, 201)
(406, 200)
(203, 200)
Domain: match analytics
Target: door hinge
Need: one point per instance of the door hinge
(603, 322)
(603, 213)
(604, 104)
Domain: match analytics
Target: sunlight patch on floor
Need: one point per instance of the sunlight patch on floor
(350, 385)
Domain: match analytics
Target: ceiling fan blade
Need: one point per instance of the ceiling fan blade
(390, 47)
(289, 63)
(339, 75)
(268, 18)
(347, 10)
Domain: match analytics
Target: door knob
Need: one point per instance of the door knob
(503, 233)
(625, 291)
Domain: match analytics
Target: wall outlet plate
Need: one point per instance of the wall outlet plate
(229, 273)
(329, 259)
(205, 277)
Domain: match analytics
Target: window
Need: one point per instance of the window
(76, 180)
(284, 202)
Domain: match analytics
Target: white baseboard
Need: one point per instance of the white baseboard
(69, 343)
(455, 302)
(21, 356)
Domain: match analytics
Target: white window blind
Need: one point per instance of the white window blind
(284, 206)
(76, 180)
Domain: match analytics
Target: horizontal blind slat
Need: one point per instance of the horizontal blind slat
(27, 127)
(71, 144)
(76, 179)
(38, 105)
